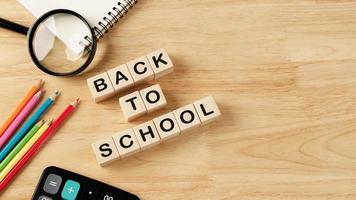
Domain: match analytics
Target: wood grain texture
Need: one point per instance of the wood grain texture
(282, 72)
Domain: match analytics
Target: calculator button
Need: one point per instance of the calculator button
(90, 193)
(108, 196)
(52, 184)
(70, 190)
(43, 197)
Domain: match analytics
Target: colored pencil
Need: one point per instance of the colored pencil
(33, 90)
(27, 125)
(33, 150)
(20, 118)
(21, 144)
(23, 151)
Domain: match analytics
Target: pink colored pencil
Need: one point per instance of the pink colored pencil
(20, 118)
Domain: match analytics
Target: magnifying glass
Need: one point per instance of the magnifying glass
(61, 42)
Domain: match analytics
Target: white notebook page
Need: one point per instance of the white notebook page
(92, 10)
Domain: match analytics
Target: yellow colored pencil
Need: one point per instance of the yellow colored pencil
(23, 151)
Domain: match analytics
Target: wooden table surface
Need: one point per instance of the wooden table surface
(282, 72)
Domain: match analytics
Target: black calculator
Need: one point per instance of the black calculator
(58, 184)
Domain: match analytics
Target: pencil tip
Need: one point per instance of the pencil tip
(39, 123)
(55, 95)
(49, 122)
(39, 93)
(76, 102)
(41, 83)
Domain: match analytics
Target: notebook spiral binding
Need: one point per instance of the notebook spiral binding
(113, 17)
(108, 21)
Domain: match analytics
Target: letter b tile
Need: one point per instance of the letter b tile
(100, 87)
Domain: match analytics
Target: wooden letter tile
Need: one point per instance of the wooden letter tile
(100, 87)
(120, 78)
(126, 143)
(105, 151)
(207, 110)
(147, 135)
(167, 126)
(187, 118)
(132, 106)
(160, 63)
(140, 70)
(153, 98)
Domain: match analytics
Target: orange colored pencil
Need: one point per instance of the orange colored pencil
(22, 104)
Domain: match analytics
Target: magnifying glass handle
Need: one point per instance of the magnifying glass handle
(13, 26)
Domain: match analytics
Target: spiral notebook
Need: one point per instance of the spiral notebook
(101, 14)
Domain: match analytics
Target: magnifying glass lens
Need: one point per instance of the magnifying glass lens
(62, 43)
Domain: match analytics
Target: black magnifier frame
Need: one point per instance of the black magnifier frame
(31, 34)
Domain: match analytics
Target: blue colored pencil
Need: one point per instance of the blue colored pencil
(27, 126)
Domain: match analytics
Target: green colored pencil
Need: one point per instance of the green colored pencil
(21, 144)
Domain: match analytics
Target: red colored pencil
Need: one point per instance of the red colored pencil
(34, 149)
